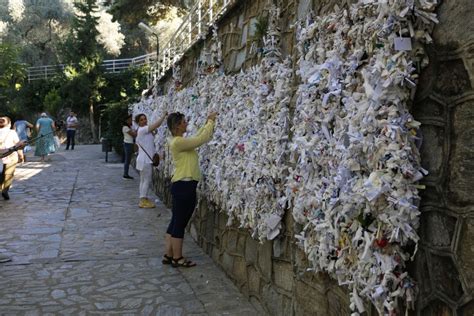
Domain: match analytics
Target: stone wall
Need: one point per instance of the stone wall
(274, 274)
(445, 106)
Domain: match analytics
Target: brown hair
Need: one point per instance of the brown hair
(173, 120)
(137, 118)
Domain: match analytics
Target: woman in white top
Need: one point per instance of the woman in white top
(8, 138)
(146, 145)
(128, 135)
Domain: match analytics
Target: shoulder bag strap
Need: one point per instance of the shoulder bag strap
(145, 151)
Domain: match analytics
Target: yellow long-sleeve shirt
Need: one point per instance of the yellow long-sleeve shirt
(185, 157)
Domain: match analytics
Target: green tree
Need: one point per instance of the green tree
(131, 12)
(83, 55)
(12, 75)
(53, 102)
(36, 27)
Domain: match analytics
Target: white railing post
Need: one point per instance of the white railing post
(46, 72)
(190, 30)
(211, 4)
(199, 17)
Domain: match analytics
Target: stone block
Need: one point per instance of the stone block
(215, 254)
(309, 301)
(222, 221)
(429, 108)
(203, 208)
(240, 270)
(232, 237)
(216, 217)
(288, 248)
(433, 150)
(216, 240)
(240, 58)
(301, 261)
(432, 196)
(275, 302)
(203, 245)
(283, 275)
(252, 27)
(422, 273)
(244, 34)
(257, 304)
(465, 252)
(265, 259)
(455, 22)
(209, 232)
(437, 229)
(227, 263)
(277, 245)
(225, 236)
(445, 277)
(467, 309)
(338, 301)
(241, 243)
(193, 231)
(251, 250)
(253, 280)
(437, 307)
(461, 165)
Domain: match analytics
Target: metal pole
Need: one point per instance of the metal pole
(199, 17)
(157, 57)
(210, 11)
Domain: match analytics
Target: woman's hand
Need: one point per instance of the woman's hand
(212, 116)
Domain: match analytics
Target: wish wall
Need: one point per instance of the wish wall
(320, 188)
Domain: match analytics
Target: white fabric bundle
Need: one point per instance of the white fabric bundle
(353, 186)
(350, 170)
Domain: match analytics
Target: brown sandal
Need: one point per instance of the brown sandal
(182, 262)
(167, 259)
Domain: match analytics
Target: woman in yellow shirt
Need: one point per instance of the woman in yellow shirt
(184, 183)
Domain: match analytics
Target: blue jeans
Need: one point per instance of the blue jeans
(70, 138)
(127, 151)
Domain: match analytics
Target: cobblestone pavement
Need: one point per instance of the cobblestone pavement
(79, 245)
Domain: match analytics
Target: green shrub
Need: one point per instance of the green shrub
(113, 116)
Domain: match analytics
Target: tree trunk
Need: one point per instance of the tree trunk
(91, 118)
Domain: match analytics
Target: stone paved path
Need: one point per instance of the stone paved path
(80, 245)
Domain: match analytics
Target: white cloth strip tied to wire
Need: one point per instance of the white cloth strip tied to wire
(354, 163)
(248, 152)
(353, 186)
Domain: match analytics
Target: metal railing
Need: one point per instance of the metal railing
(195, 27)
(109, 66)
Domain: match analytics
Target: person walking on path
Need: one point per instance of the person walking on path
(23, 129)
(146, 145)
(183, 183)
(128, 135)
(8, 138)
(45, 143)
(5, 152)
(72, 124)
